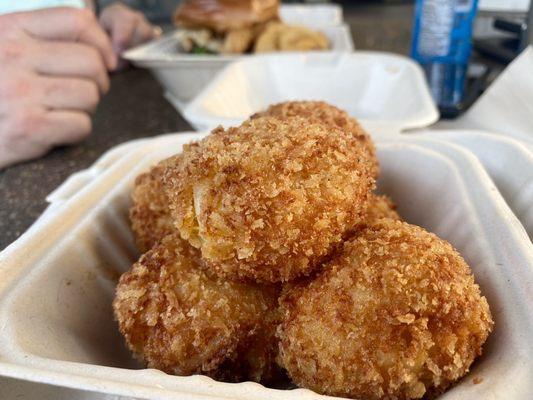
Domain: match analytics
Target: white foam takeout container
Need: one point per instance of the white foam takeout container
(386, 92)
(184, 75)
(58, 279)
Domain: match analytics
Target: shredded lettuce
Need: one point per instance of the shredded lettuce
(201, 50)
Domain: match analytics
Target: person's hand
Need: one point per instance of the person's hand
(126, 27)
(53, 70)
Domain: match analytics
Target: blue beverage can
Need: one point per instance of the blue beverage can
(442, 43)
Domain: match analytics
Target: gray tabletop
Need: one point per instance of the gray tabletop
(135, 107)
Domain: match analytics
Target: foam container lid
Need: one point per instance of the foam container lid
(386, 92)
(58, 279)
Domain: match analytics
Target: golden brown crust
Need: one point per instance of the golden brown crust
(268, 200)
(395, 316)
(179, 318)
(238, 41)
(380, 206)
(149, 214)
(255, 358)
(319, 111)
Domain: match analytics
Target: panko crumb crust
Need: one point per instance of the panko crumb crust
(322, 112)
(150, 214)
(268, 200)
(396, 315)
(380, 206)
(178, 317)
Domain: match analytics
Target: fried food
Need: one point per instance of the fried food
(178, 317)
(268, 40)
(149, 214)
(278, 36)
(268, 200)
(380, 206)
(255, 359)
(238, 41)
(396, 315)
(299, 38)
(323, 112)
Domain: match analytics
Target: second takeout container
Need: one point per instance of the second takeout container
(184, 75)
(58, 279)
(386, 92)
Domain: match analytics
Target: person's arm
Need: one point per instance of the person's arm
(53, 70)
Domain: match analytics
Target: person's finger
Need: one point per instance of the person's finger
(32, 131)
(77, 60)
(65, 127)
(68, 24)
(68, 94)
(122, 32)
(143, 32)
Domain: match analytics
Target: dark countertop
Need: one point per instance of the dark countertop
(135, 107)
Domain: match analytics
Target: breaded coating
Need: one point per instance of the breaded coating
(320, 111)
(178, 317)
(238, 41)
(150, 215)
(380, 206)
(268, 200)
(255, 359)
(396, 315)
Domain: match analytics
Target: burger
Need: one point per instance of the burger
(240, 26)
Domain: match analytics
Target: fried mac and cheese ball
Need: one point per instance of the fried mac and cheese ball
(180, 318)
(325, 113)
(268, 200)
(396, 315)
(150, 215)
